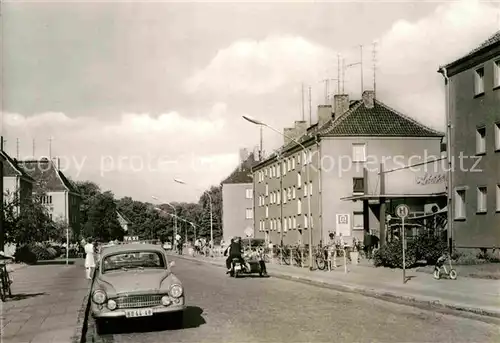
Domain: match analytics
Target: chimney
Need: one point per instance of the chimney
(288, 133)
(341, 103)
(243, 154)
(368, 99)
(300, 128)
(58, 163)
(324, 114)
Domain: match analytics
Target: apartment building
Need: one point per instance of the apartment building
(237, 198)
(60, 196)
(349, 138)
(473, 101)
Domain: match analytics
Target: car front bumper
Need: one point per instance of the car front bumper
(100, 311)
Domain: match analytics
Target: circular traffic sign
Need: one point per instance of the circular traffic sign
(249, 232)
(402, 211)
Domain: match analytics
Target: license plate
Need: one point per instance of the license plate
(237, 268)
(143, 312)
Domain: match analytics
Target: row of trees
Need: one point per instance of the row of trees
(28, 220)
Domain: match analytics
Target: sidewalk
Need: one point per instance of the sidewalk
(46, 303)
(478, 296)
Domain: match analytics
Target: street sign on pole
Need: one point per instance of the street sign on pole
(402, 211)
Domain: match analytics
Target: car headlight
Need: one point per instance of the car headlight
(111, 304)
(175, 291)
(99, 297)
(165, 301)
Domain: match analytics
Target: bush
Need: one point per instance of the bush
(391, 255)
(24, 254)
(421, 248)
(41, 252)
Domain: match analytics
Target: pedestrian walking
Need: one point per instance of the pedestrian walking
(89, 258)
(331, 251)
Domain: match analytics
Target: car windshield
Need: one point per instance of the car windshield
(133, 260)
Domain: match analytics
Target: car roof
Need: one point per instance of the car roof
(112, 249)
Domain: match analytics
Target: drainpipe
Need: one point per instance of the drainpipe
(320, 216)
(449, 157)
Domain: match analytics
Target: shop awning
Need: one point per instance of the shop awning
(392, 196)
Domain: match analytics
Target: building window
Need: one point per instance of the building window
(289, 164)
(294, 222)
(293, 162)
(279, 225)
(359, 152)
(293, 192)
(481, 140)
(310, 188)
(267, 189)
(498, 197)
(357, 220)
(358, 185)
(496, 82)
(479, 81)
(305, 221)
(304, 158)
(497, 136)
(306, 189)
(278, 170)
(312, 221)
(299, 180)
(460, 204)
(278, 194)
(249, 193)
(249, 213)
(299, 207)
(284, 167)
(285, 227)
(267, 211)
(290, 223)
(481, 199)
(260, 200)
(284, 196)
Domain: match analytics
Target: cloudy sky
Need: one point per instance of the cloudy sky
(135, 94)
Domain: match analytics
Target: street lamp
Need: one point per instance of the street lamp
(211, 216)
(175, 212)
(308, 156)
(193, 225)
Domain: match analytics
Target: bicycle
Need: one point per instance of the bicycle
(5, 282)
(440, 267)
(320, 258)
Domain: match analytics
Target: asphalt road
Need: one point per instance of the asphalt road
(224, 309)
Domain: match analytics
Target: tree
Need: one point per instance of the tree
(216, 196)
(27, 220)
(102, 220)
(88, 190)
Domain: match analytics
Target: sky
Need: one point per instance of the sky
(132, 95)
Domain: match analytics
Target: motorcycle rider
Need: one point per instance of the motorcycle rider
(234, 250)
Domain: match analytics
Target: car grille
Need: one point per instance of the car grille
(134, 301)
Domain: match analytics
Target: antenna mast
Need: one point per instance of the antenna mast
(302, 93)
(338, 73)
(17, 148)
(343, 75)
(361, 62)
(261, 142)
(50, 147)
(310, 107)
(374, 69)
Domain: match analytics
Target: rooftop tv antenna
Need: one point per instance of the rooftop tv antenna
(17, 148)
(50, 147)
(374, 69)
(310, 107)
(360, 63)
(302, 95)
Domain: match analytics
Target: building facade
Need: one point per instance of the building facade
(473, 103)
(237, 198)
(57, 192)
(345, 147)
(17, 184)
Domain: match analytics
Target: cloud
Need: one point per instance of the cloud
(408, 56)
(138, 155)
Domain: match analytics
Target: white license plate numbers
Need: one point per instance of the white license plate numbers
(143, 312)
(237, 268)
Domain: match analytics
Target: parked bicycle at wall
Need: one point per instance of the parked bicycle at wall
(440, 268)
(5, 281)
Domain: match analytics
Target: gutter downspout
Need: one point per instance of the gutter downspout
(320, 203)
(449, 156)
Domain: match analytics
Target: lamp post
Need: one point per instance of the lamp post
(193, 225)
(308, 157)
(175, 213)
(211, 216)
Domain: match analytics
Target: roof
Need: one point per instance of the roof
(12, 167)
(487, 44)
(129, 247)
(243, 173)
(360, 121)
(380, 120)
(45, 172)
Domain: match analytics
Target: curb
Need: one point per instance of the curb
(83, 317)
(419, 302)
